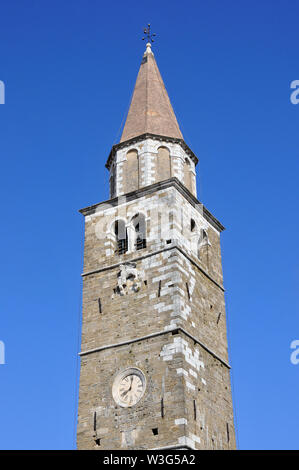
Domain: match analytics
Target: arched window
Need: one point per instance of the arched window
(140, 231)
(112, 181)
(202, 243)
(163, 164)
(121, 237)
(187, 174)
(192, 225)
(132, 171)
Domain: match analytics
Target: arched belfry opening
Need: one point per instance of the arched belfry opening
(132, 171)
(139, 225)
(188, 174)
(121, 237)
(112, 181)
(163, 164)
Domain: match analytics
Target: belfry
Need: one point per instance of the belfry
(154, 356)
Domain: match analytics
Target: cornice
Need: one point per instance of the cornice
(172, 330)
(160, 138)
(174, 182)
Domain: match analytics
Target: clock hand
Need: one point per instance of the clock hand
(126, 391)
(131, 384)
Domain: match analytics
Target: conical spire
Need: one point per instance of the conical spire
(150, 109)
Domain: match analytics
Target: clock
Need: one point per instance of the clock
(129, 387)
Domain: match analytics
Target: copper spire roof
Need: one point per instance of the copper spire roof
(150, 109)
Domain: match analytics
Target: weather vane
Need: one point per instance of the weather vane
(148, 34)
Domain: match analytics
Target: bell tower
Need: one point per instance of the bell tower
(154, 359)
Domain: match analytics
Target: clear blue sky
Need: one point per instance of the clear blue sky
(69, 68)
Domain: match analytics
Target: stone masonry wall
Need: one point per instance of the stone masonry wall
(167, 318)
(130, 428)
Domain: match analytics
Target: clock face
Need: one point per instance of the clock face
(129, 387)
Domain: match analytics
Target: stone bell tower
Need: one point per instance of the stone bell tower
(154, 360)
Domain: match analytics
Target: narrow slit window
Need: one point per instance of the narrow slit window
(227, 431)
(194, 409)
(95, 421)
(162, 408)
(187, 289)
(100, 305)
(159, 289)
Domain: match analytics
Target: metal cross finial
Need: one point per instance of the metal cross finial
(148, 34)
